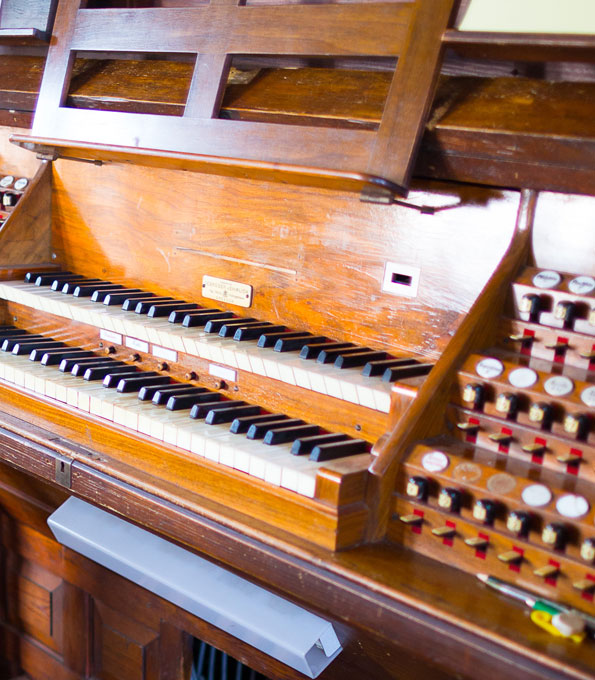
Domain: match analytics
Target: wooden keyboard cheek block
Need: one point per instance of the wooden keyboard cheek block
(335, 519)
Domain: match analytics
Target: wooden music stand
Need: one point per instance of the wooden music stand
(381, 160)
(26, 23)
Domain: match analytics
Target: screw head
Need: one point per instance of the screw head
(134, 357)
(109, 350)
(191, 375)
(162, 366)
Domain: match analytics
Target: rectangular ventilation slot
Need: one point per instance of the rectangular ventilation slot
(402, 279)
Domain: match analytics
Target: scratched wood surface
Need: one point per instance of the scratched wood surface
(498, 131)
(315, 259)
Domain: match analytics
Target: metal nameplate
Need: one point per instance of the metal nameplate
(234, 293)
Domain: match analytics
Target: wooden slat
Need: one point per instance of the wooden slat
(522, 46)
(410, 31)
(378, 29)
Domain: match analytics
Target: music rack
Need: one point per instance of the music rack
(408, 31)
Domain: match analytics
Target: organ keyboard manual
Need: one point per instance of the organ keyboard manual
(281, 385)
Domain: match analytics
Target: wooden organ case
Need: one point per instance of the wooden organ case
(277, 274)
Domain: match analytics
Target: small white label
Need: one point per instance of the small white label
(135, 343)
(435, 461)
(165, 353)
(588, 396)
(522, 377)
(234, 293)
(110, 336)
(536, 495)
(6, 181)
(582, 285)
(558, 386)
(222, 372)
(20, 184)
(489, 368)
(547, 279)
(572, 506)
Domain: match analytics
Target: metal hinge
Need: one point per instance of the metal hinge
(63, 475)
(383, 196)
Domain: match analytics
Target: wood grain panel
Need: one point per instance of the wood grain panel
(315, 259)
(26, 232)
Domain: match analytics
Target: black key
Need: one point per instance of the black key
(258, 430)
(129, 305)
(101, 293)
(163, 394)
(358, 358)
(70, 286)
(166, 310)
(135, 383)
(60, 353)
(143, 306)
(89, 289)
(304, 445)
(12, 332)
(228, 329)
(59, 282)
(313, 349)
(112, 379)
(378, 367)
(296, 344)
(47, 278)
(27, 346)
(67, 364)
(201, 410)
(179, 402)
(119, 296)
(226, 415)
(9, 342)
(79, 368)
(30, 277)
(215, 325)
(283, 434)
(92, 373)
(147, 393)
(328, 356)
(8, 328)
(332, 450)
(55, 358)
(253, 332)
(268, 339)
(241, 425)
(177, 316)
(400, 372)
(203, 317)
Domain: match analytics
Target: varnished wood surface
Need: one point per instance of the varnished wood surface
(314, 258)
(522, 46)
(505, 131)
(411, 31)
(26, 233)
(410, 602)
(425, 415)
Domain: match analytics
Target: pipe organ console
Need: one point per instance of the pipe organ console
(279, 402)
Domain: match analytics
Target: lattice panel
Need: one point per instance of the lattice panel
(408, 30)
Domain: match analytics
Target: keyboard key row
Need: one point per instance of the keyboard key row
(274, 447)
